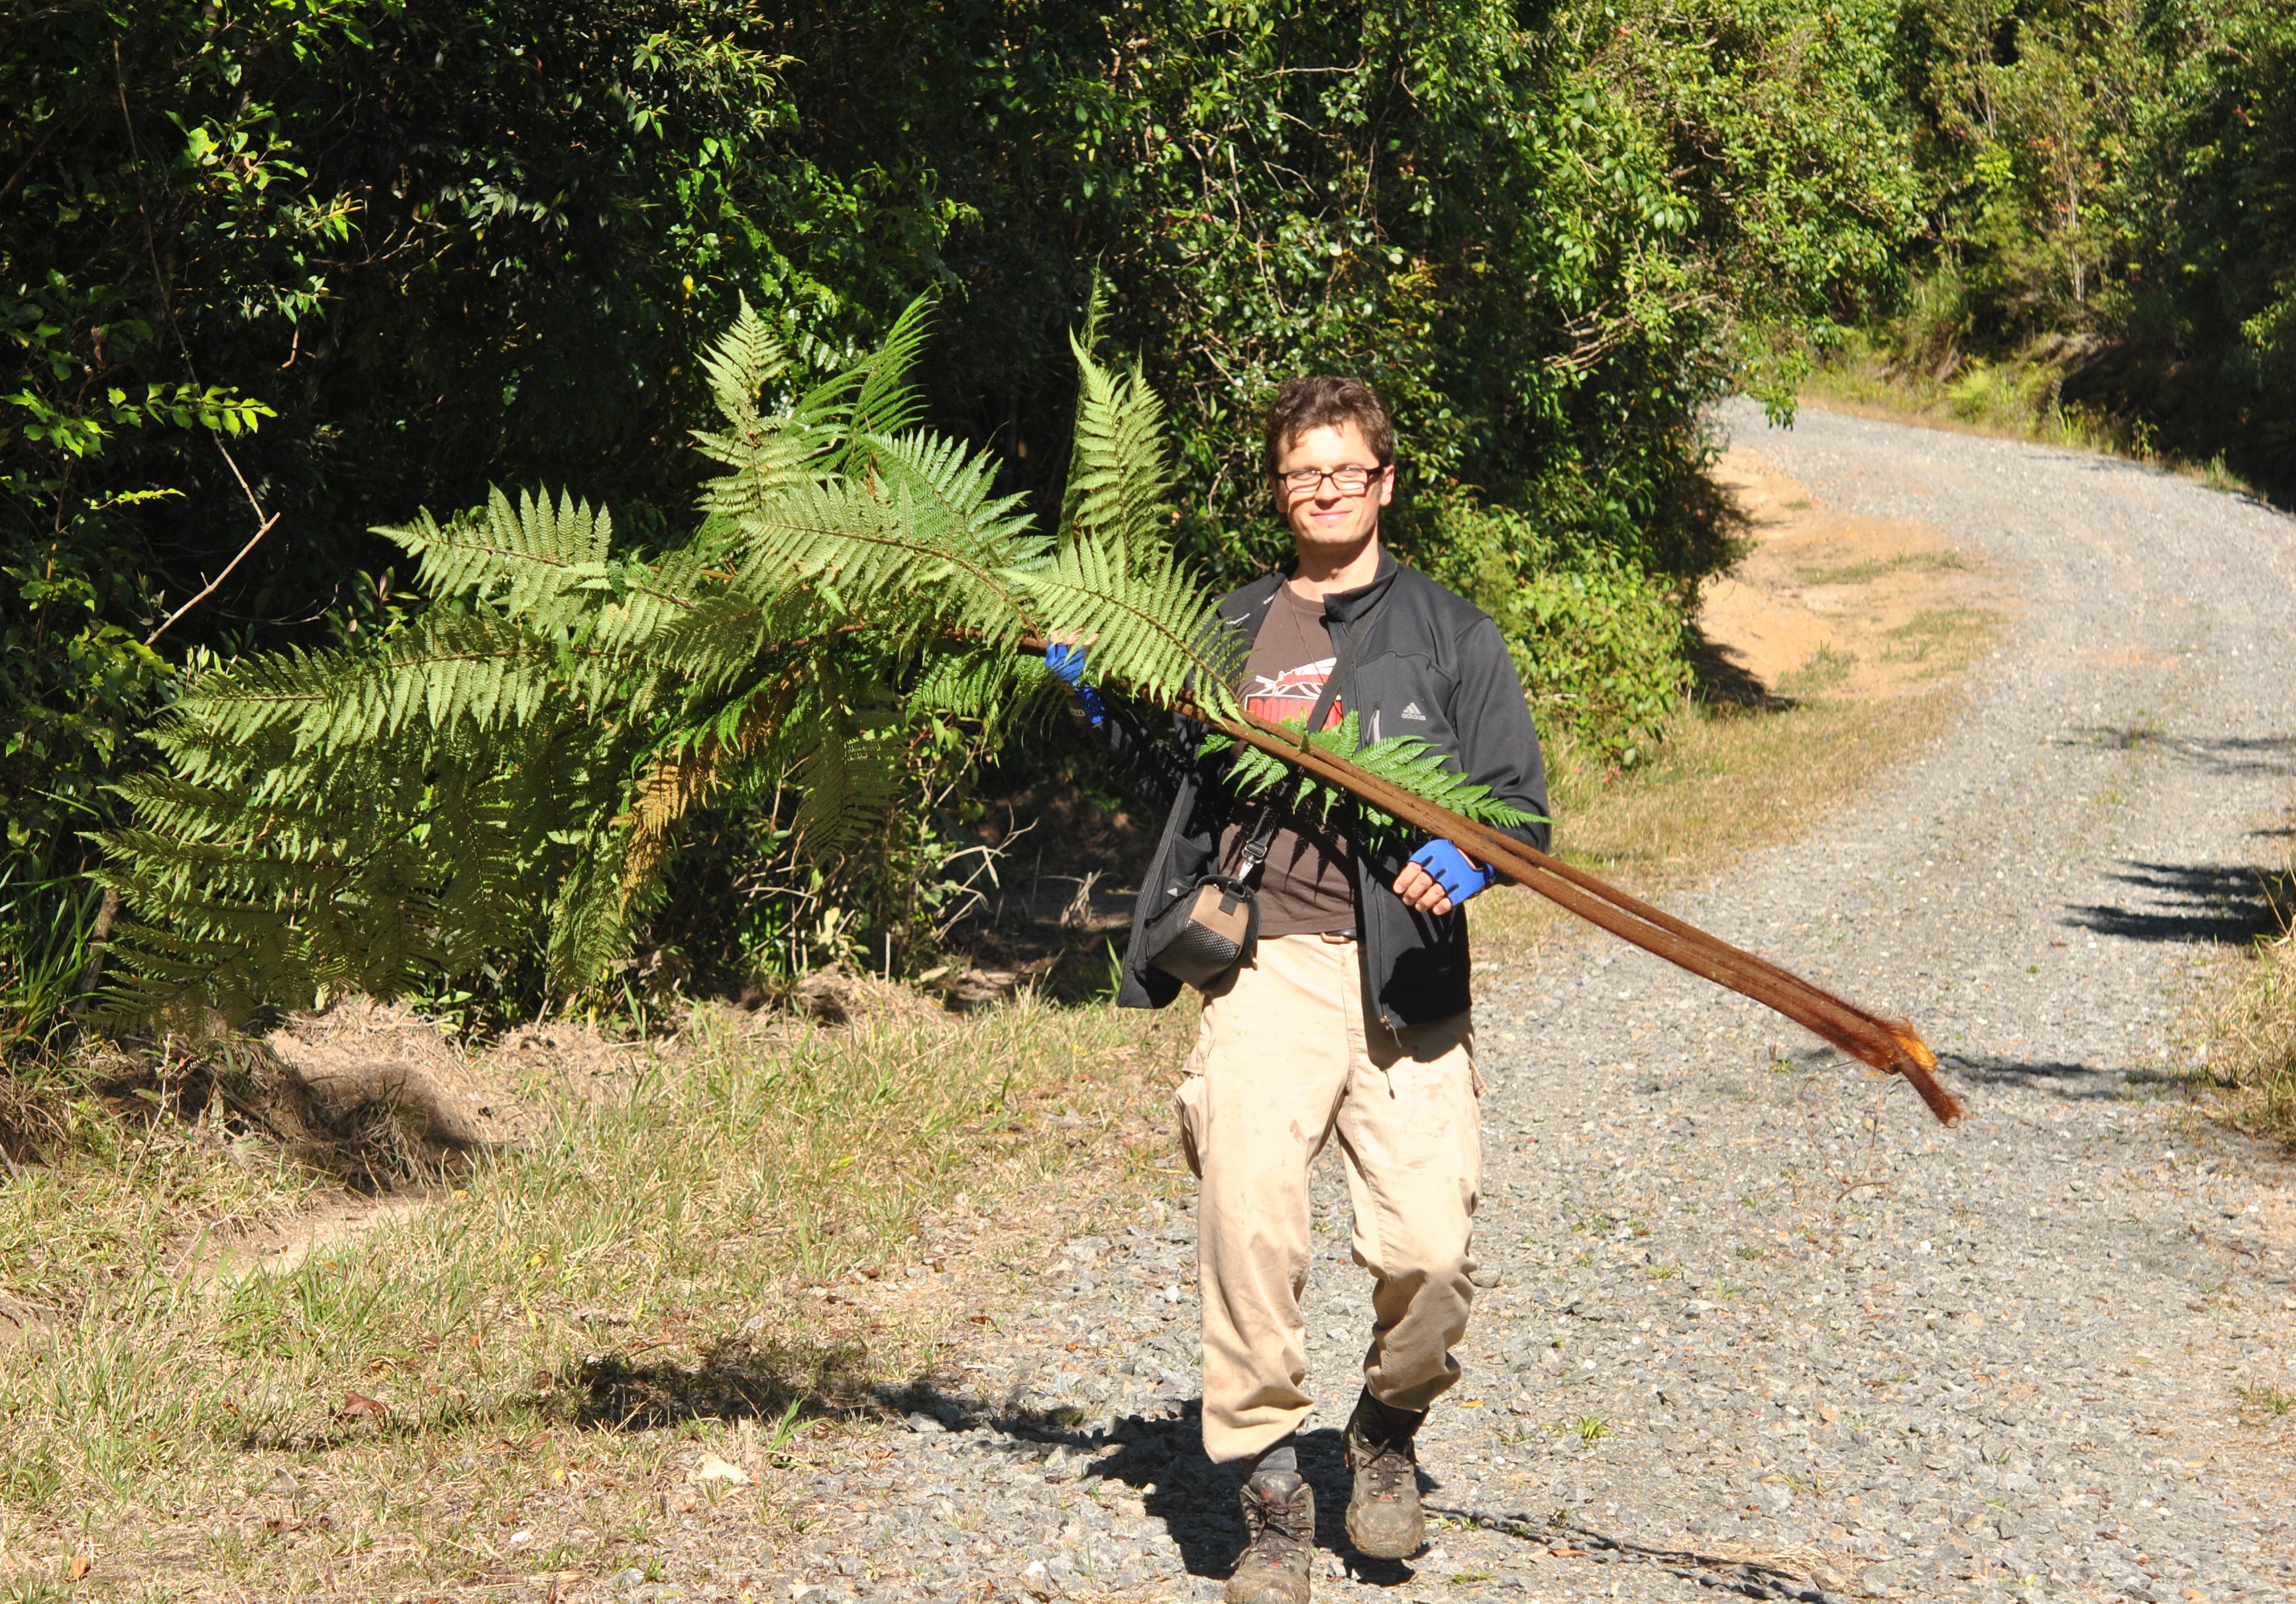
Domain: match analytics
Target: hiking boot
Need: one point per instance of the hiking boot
(1383, 1518)
(1279, 1511)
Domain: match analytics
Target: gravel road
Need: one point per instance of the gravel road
(1752, 1320)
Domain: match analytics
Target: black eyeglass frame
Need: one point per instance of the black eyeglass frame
(1297, 482)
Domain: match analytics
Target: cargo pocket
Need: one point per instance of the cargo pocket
(1188, 1110)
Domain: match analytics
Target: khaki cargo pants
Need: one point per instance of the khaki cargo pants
(1286, 1058)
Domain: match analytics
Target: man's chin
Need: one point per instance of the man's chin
(1332, 542)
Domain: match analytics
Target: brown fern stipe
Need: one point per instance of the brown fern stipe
(1892, 1046)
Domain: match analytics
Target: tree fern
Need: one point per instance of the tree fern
(1118, 487)
(508, 772)
(1155, 629)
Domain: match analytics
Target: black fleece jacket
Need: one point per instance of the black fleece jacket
(1430, 666)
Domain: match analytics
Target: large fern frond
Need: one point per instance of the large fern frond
(1156, 631)
(450, 669)
(849, 783)
(742, 362)
(886, 400)
(533, 556)
(1405, 761)
(1120, 474)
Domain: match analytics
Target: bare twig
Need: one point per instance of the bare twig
(167, 306)
(209, 590)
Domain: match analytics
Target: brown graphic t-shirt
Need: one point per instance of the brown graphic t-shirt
(1305, 886)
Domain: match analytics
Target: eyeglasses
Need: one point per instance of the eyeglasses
(1347, 481)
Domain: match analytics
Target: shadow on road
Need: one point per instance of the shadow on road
(2191, 902)
(1161, 1455)
(2217, 754)
(2065, 1079)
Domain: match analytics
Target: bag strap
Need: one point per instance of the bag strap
(1263, 832)
(1255, 849)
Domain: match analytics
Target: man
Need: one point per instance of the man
(1350, 1017)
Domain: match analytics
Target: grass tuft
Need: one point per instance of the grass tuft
(2264, 1402)
(2249, 1023)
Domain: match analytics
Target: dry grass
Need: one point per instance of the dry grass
(2248, 1019)
(545, 1336)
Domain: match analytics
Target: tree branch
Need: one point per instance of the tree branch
(263, 528)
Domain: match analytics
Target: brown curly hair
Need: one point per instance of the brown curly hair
(1325, 401)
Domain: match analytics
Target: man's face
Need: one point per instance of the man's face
(1324, 517)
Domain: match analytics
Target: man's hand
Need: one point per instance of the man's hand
(1064, 659)
(1439, 878)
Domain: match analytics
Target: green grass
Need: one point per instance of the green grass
(2017, 399)
(1827, 669)
(2264, 1402)
(643, 1262)
(1942, 639)
(1876, 568)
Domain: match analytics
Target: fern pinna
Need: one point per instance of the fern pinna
(506, 770)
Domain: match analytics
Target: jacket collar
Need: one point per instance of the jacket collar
(1346, 606)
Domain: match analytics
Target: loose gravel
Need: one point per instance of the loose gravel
(1751, 1321)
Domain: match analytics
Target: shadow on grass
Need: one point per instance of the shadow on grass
(733, 1380)
(1718, 682)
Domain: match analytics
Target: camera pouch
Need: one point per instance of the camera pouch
(1206, 933)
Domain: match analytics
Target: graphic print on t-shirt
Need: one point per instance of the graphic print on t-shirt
(1292, 693)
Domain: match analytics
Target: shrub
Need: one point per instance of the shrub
(1600, 641)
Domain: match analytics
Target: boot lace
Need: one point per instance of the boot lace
(1277, 1521)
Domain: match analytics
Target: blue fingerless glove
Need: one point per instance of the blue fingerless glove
(1064, 661)
(1459, 879)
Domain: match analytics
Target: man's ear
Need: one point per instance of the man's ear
(1387, 485)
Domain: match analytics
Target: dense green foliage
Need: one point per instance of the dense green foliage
(2113, 214)
(388, 252)
(378, 254)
